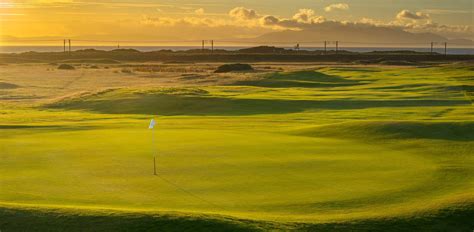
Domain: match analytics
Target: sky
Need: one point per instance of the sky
(180, 20)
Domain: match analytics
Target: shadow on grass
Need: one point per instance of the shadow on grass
(163, 104)
(52, 220)
(451, 130)
(46, 127)
(452, 219)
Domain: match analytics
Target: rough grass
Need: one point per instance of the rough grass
(90, 61)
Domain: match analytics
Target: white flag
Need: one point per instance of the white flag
(152, 124)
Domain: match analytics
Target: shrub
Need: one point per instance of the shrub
(66, 67)
(126, 70)
(233, 67)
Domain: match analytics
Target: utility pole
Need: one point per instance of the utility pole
(431, 50)
(212, 45)
(69, 46)
(202, 45)
(337, 47)
(325, 47)
(64, 45)
(445, 48)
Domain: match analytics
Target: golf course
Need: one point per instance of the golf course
(286, 146)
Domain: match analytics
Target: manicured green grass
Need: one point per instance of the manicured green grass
(330, 148)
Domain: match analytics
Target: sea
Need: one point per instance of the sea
(22, 49)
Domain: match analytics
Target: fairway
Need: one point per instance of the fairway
(290, 144)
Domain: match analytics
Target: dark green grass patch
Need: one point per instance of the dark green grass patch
(233, 68)
(309, 79)
(55, 220)
(456, 131)
(451, 219)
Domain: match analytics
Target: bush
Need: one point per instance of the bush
(233, 67)
(125, 70)
(66, 67)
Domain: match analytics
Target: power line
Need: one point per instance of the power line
(226, 41)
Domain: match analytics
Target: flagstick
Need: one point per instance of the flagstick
(154, 165)
(153, 146)
(154, 155)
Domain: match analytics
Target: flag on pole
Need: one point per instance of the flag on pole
(152, 124)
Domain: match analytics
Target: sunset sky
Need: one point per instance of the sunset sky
(223, 19)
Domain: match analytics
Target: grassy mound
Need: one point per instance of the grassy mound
(5, 85)
(168, 101)
(459, 131)
(233, 68)
(299, 79)
(194, 101)
(164, 101)
(66, 67)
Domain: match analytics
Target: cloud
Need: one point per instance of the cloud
(300, 20)
(304, 15)
(445, 11)
(420, 22)
(242, 13)
(28, 4)
(449, 31)
(406, 14)
(185, 21)
(269, 20)
(241, 18)
(199, 11)
(338, 6)
(11, 14)
(53, 1)
(245, 17)
(370, 21)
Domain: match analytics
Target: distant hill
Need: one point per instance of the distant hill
(462, 42)
(356, 34)
(263, 49)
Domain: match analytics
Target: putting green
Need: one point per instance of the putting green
(250, 174)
